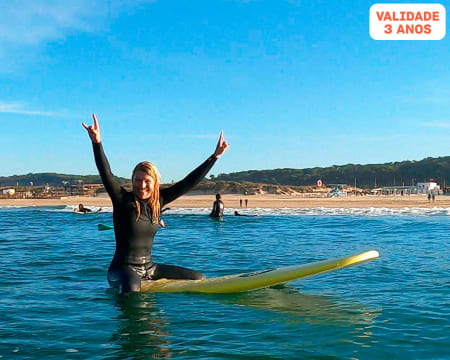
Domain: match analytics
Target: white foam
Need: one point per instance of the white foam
(71, 208)
(14, 206)
(319, 211)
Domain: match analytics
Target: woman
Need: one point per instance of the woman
(136, 216)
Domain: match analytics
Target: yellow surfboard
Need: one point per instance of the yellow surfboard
(255, 280)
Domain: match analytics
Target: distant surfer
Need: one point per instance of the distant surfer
(83, 210)
(136, 216)
(217, 210)
(236, 213)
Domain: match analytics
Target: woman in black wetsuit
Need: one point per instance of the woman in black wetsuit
(136, 217)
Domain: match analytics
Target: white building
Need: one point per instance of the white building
(426, 187)
(423, 188)
(9, 191)
(396, 190)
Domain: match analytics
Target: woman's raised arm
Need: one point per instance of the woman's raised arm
(111, 185)
(183, 186)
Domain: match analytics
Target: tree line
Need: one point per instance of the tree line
(52, 179)
(366, 176)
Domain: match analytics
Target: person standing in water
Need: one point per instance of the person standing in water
(217, 210)
(136, 216)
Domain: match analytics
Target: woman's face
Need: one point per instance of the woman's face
(143, 185)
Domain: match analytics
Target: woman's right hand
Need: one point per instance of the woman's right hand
(93, 130)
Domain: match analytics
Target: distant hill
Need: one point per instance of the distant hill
(53, 179)
(367, 176)
(251, 188)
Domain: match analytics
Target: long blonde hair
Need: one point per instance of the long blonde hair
(153, 200)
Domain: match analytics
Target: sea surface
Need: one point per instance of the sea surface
(55, 302)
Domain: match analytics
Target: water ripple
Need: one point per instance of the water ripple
(56, 304)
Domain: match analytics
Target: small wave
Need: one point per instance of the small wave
(71, 208)
(321, 211)
(14, 206)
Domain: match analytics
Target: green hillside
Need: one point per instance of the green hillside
(53, 179)
(367, 176)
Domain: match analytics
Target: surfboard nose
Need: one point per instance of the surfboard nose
(372, 254)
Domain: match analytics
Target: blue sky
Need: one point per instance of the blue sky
(291, 83)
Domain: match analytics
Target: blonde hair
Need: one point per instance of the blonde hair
(153, 200)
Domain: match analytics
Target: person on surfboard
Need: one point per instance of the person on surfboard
(236, 213)
(83, 210)
(136, 216)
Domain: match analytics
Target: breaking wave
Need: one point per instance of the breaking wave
(318, 211)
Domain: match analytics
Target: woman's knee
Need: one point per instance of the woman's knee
(125, 280)
(130, 281)
(131, 286)
(163, 271)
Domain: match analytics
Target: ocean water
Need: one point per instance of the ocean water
(55, 302)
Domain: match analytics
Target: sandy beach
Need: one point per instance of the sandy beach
(256, 201)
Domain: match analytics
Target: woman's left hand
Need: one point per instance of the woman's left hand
(221, 147)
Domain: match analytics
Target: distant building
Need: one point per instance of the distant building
(419, 189)
(9, 191)
(426, 187)
(396, 190)
(23, 194)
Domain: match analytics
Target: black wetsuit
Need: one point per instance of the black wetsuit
(132, 259)
(217, 210)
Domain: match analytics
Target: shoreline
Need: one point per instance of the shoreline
(256, 201)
